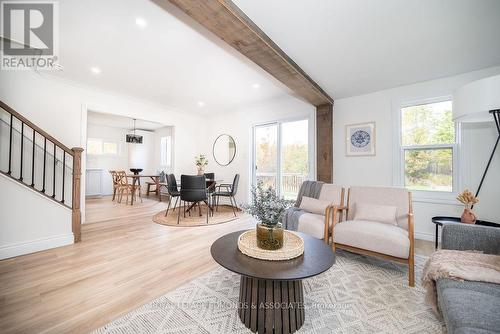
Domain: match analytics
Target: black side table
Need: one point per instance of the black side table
(439, 220)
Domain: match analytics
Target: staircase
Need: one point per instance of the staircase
(34, 159)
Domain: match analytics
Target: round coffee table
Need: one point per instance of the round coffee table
(271, 296)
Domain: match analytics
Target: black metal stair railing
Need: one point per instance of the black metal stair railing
(24, 150)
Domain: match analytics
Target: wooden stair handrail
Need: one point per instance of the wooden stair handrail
(36, 128)
(75, 153)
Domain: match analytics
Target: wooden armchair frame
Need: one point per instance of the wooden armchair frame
(328, 213)
(342, 211)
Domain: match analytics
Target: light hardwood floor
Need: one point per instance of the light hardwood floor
(123, 261)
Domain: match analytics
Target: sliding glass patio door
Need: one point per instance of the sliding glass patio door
(282, 156)
(266, 155)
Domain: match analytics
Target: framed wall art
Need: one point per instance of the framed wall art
(360, 139)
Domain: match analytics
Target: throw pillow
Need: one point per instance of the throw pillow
(314, 205)
(379, 213)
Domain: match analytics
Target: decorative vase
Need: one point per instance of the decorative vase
(201, 170)
(269, 238)
(468, 217)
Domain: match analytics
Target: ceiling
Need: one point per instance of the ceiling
(359, 46)
(167, 61)
(347, 47)
(102, 119)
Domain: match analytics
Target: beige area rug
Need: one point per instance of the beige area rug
(357, 295)
(223, 215)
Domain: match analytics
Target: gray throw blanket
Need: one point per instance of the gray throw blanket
(291, 217)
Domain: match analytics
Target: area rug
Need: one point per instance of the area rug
(224, 214)
(357, 295)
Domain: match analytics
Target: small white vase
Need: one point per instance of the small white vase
(201, 170)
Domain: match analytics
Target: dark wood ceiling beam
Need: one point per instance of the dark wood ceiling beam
(224, 19)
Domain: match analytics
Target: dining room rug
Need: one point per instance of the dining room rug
(358, 294)
(224, 214)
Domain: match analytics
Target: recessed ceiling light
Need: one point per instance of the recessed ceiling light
(95, 70)
(256, 85)
(142, 23)
(201, 104)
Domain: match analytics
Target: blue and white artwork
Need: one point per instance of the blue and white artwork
(360, 139)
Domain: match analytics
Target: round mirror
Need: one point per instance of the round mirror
(224, 150)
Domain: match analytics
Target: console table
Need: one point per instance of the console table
(439, 220)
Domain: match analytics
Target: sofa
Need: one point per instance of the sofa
(470, 307)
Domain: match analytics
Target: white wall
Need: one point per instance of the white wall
(238, 124)
(60, 108)
(23, 228)
(477, 142)
(143, 155)
(108, 162)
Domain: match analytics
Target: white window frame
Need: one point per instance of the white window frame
(97, 140)
(168, 149)
(102, 142)
(311, 149)
(428, 196)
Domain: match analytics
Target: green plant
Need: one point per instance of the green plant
(266, 206)
(201, 160)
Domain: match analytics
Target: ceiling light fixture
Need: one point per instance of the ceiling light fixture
(142, 23)
(201, 104)
(95, 70)
(256, 86)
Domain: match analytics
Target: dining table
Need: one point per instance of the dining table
(136, 182)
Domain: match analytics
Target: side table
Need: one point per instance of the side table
(440, 220)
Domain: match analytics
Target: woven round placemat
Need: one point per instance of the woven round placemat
(293, 246)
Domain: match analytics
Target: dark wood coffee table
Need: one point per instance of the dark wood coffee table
(271, 295)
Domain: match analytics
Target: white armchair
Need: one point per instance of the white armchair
(319, 224)
(379, 222)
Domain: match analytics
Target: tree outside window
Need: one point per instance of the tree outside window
(428, 145)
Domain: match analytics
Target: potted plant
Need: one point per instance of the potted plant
(468, 199)
(268, 209)
(201, 161)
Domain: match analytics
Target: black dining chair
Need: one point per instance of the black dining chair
(172, 190)
(193, 190)
(210, 186)
(230, 192)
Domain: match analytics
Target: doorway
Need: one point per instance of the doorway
(282, 156)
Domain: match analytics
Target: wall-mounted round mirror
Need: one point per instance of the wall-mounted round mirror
(224, 150)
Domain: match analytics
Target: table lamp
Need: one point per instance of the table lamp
(479, 101)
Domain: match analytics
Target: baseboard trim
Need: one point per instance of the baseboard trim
(425, 236)
(36, 245)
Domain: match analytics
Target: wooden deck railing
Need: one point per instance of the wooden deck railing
(33, 135)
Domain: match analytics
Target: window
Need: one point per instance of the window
(282, 156)
(428, 147)
(94, 146)
(97, 146)
(166, 151)
(110, 148)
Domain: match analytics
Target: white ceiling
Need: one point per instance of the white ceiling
(121, 122)
(358, 46)
(348, 47)
(168, 61)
